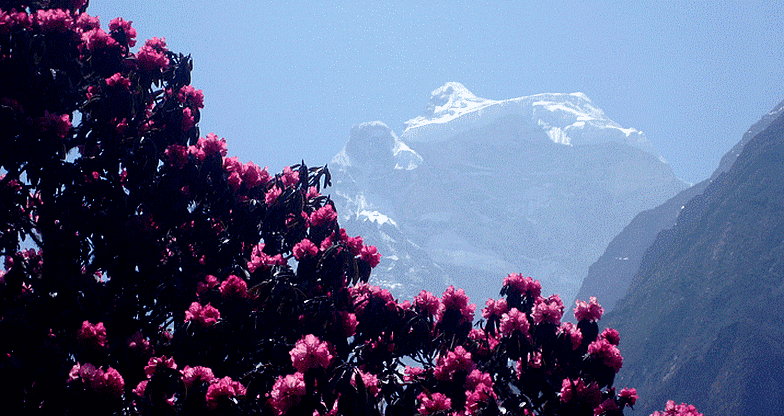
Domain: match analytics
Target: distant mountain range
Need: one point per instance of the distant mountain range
(475, 189)
(701, 319)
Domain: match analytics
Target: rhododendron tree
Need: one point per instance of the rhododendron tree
(147, 272)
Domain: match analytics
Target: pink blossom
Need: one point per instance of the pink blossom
(209, 282)
(310, 352)
(348, 323)
(118, 81)
(456, 300)
(112, 383)
(607, 353)
(58, 124)
(629, 396)
(96, 40)
(205, 315)
(312, 193)
(85, 22)
(212, 145)
(573, 333)
(123, 27)
(232, 165)
(412, 373)
(188, 121)
(287, 392)
(141, 388)
(304, 248)
(363, 293)
(224, 388)
(272, 195)
(323, 215)
(254, 176)
(108, 382)
(290, 177)
(426, 301)
(607, 407)
(480, 393)
(578, 391)
(512, 321)
(192, 375)
(481, 337)
(137, 342)
(525, 285)
(672, 409)
(548, 310)
(354, 244)
(494, 308)
(371, 255)
(191, 97)
(10, 20)
(369, 380)
(154, 362)
(432, 403)
(93, 336)
(454, 361)
(591, 312)
(54, 20)
(152, 56)
(261, 260)
(234, 286)
(611, 335)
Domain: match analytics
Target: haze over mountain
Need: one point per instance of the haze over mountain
(609, 278)
(701, 321)
(475, 189)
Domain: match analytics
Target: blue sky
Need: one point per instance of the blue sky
(285, 82)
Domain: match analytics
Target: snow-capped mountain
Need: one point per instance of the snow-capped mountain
(475, 189)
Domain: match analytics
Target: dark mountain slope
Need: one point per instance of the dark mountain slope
(701, 322)
(610, 276)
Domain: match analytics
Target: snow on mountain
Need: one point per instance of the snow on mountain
(475, 189)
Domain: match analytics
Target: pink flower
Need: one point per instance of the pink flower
(152, 56)
(456, 360)
(369, 380)
(254, 176)
(371, 255)
(349, 323)
(234, 180)
(261, 260)
(137, 342)
(312, 193)
(192, 375)
(456, 300)
(591, 312)
(223, 388)
(629, 396)
(578, 391)
(434, 402)
(412, 373)
(290, 177)
(494, 308)
(96, 40)
(188, 121)
(123, 30)
(234, 286)
(191, 97)
(323, 215)
(611, 335)
(141, 388)
(572, 333)
(58, 124)
(354, 244)
(548, 310)
(209, 282)
(512, 321)
(54, 20)
(672, 409)
(310, 352)
(108, 382)
(205, 315)
(154, 362)
(607, 353)
(607, 407)
(525, 285)
(10, 20)
(426, 301)
(212, 145)
(93, 336)
(85, 22)
(304, 248)
(112, 383)
(482, 337)
(118, 81)
(287, 392)
(272, 195)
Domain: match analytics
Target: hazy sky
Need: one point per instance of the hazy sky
(285, 82)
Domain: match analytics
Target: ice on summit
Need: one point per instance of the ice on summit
(568, 119)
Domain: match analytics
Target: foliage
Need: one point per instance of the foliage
(148, 273)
